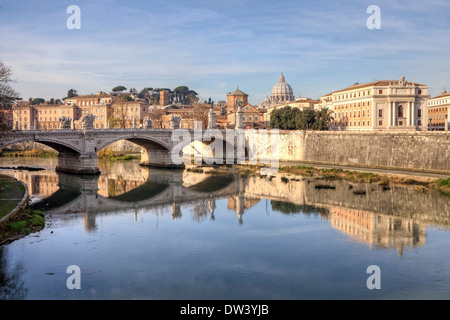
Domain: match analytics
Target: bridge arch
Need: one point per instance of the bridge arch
(59, 145)
(144, 141)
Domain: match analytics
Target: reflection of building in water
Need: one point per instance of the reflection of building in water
(239, 203)
(89, 222)
(42, 185)
(176, 211)
(377, 229)
(108, 187)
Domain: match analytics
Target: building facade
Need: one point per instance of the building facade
(439, 112)
(236, 98)
(379, 105)
(252, 117)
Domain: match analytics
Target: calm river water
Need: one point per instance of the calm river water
(140, 233)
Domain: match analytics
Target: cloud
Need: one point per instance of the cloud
(207, 43)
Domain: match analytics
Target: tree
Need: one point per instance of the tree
(185, 95)
(7, 94)
(36, 101)
(200, 113)
(305, 120)
(323, 119)
(7, 97)
(145, 93)
(72, 93)
(119, 89)
(288, 118)
(285, 118)
(192, 97)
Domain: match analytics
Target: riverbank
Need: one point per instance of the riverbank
(16, 220)
(109, 154)
(13, 196)
(104, 154)
(22, 223)
(35, 153)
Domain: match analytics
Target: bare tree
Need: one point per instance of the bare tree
(119, 114)
(7, 97)
(156, 115)
(200, 113)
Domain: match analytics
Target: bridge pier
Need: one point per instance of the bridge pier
(85, 163)
(156, 157)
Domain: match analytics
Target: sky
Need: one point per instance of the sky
(214, 46)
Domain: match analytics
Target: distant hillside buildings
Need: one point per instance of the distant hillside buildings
(378, 105)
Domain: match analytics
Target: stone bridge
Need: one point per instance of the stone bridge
(77, 149)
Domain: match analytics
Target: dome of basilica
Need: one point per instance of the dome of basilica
(281, 92)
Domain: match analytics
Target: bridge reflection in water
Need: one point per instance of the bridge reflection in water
(394, 217)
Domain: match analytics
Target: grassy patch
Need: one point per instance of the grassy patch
(443, 186)
(35, 153)
(108, 154)
(21, 224)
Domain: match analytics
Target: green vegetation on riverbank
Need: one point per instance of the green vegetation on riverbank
(29, 153)
(109, 154)
(104, 154)
(443, 186)
(21, 224)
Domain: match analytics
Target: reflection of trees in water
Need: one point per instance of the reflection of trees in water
(11, 286)
(292, 208)
(202, 208)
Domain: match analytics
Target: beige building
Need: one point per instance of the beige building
(109, 111)
(379, 105)
(439, 112)
(42, 116)
(127, 114)
(252, 117)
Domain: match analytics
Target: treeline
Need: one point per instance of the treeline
(288, 118)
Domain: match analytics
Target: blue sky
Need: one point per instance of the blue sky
(212, 46)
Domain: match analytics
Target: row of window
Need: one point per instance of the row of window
(353, 105)
(442, 101)
(438, 116)
(361, 93)
(352, 123)
(434, 110)
(400, 112)
(251, 118)
(353, 114)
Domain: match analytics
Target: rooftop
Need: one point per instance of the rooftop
(237, 92)
(378, 83)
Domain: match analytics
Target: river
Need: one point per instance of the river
(140, 233)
